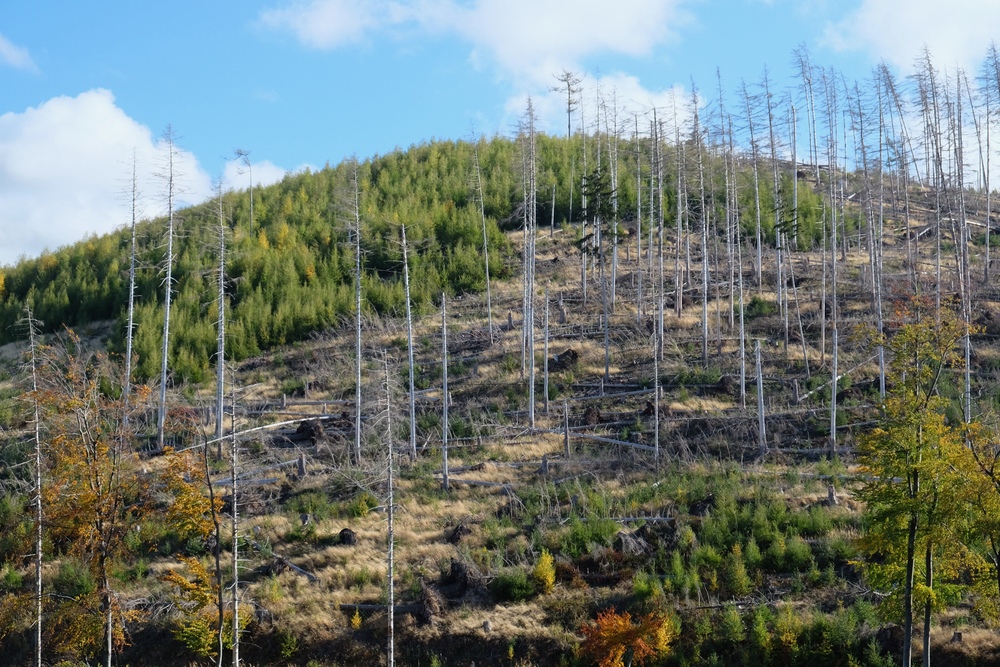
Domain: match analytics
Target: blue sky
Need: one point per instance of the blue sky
(300, 83)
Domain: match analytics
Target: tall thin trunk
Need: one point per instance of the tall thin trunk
(638, 222)
(130, 326)
(656, 402)
(234, 451)
(761, 426)
(217, 554)
(756, 188)
(778, 204)
(611, 134)
(486, 266)
(167, 289)
(409, 342)
(357, 317)
(391, 514)
(37, 422)
(929, 585)
(911, 539)
(444, 393)
(220, 351)
(545, 355)
(737, 233)
(679, 221)
(531, 222)
(703, 213)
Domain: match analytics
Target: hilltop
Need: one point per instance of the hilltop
(723, 503)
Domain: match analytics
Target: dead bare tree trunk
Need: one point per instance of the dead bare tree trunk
(357, 316)
(37, 424)
(739, 273)
(444, 393)
(656, 403)
(778, 205)
(220, 351)
(761, 427)
(409, 339)
(545, 355)
(697, 139)
(130, 326)
(638, 222)
(391, 514)
(233, 467)
(486, 266)
(756, 186)
(167, 286)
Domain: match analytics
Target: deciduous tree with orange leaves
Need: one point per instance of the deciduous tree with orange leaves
(614, 640)
(96, 495)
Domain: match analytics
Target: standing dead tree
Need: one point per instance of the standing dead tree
(170, 178)
(32, 325)
(357, 313)
(486, 254)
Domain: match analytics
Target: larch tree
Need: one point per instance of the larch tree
(909, 497)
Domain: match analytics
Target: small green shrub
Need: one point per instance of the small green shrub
(10, 578)
(295, 387)
(315, 503)
(512, 586)
(751, 555)
(270, 591)
(706, 557)
(731, 628)
(646, 586)
(798, 555)
(361, 505)
(302, 533)
(545, 572)
(737, 579)
(288, 644)
(583, 536)
(73, 580)
(758, 307)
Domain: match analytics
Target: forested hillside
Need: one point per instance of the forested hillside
(712, 403)
(291, 272)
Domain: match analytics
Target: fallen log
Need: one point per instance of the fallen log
(283, 562)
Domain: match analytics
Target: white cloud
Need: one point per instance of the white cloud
(528, 39)
(65, 164)
(16, 56)
(325, 24)
(957, 33)
(533, 38)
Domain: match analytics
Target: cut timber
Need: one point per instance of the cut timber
(281, 563)
(473, 482)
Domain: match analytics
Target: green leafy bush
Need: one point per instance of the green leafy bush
(315, 503)
(73, 580)
(361, 505)
(512, 586)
